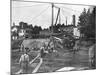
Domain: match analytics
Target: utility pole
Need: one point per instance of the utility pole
(52, 19)
(52, 24)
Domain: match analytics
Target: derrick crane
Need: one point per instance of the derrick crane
(67, 41)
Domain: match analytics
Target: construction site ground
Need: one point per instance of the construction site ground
(53, 61)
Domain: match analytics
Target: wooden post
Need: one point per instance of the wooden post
(52, 17)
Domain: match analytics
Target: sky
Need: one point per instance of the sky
(40, 13)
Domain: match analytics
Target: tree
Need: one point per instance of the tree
(56, 27)
(36, 29)
(87, 23)
(23, 25)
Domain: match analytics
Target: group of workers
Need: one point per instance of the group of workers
(24, 60)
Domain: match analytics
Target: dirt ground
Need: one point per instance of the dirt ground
(53, 61)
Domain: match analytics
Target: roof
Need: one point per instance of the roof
(14, 27)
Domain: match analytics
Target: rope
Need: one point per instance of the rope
(30, 6)
(51, 2)
(39, 14)
(63, 14)
(70, 9)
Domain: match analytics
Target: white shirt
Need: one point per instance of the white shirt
(24, 57)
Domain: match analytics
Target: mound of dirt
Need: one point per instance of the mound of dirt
(34, 43)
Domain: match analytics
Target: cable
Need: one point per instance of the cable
(63, 13)
(70, 9)
(28, 6)
(67, 8)
(32, 1)
(40, 14)
(64, 16)
(51, 2)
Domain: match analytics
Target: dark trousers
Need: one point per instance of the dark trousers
(24, 67)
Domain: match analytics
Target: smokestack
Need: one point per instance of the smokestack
(66, 21)
(74, 20)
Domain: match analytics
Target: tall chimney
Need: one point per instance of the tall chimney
(66, 21)
(74, 20)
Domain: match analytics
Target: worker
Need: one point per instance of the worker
(24, 61)
(42, 52)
